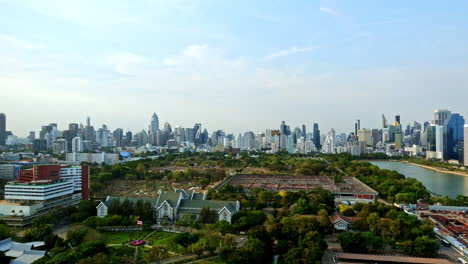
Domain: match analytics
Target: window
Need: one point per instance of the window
(224, 216)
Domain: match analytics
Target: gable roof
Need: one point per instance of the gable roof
(171, 197)
(198, 196)
(336, 217)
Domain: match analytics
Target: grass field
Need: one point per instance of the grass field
(119, 237)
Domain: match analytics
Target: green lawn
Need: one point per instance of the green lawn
(119, 237)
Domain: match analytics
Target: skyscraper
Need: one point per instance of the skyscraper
(77, 145)
(453, 137)
(440, 115)
(154, 124)
(329, 144)
(2, 129)
(384, 121)
(316, 137)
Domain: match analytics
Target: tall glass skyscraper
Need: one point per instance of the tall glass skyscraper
(453, 137)
(2, 129)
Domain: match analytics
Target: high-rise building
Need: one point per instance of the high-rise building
(329, 144)
(118, 136)
(453, 137)
(316, 137)
(440, 115)
(77, 144)
(465, 147)
(384, 121)
(2, 129)
(397, 120)
(365, 135)
(128, 138)
(154, 126)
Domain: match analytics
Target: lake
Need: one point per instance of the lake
(438, 182)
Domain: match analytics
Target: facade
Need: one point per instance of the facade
(329, 144)
(77, 144)
(440, 115)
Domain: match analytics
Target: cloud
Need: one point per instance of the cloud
(329, 11)
(290, 51)
(20, 43)
(126, 63)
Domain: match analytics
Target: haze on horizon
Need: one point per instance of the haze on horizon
(234, 66)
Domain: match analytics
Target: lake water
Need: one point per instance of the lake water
(438, 182)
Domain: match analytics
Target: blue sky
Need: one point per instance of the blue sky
(235, 65)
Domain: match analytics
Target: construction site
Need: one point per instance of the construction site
(349, 188)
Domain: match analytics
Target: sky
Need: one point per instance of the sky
(231, 65)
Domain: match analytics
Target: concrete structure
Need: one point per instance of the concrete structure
(37, 190)
(465, 145)
(100, 158)
(77, 144)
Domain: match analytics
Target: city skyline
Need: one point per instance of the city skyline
(329, 62)
(147, 126)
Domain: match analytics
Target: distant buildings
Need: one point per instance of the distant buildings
(99, 158)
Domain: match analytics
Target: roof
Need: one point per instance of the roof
(216, 205)
(390, 259)
(109, 200)
(28, 257)
(336, 217)
(198, 196)
(171, 197)
(17, 249)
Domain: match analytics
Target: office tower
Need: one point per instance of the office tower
(417, 125)
(304, 132)
(77, 145)
(89, 132)
(453, 137)
(376, 136)
(39, 145)
(434, 142)
(355, 129)
(358, 124)
(440, 115)
(60, 146)
(397, 120)
(384, 121)
(316, 137)
(290, 144)
(73, 127)
(190, 134)
(154, 126)
(102, 136)
(283, 127)
(2, 129)
(198, 133)
(465, 147)
(128, 138)
(365, 135)
(118, 136)
(167, 128)
(329, 144)
(32, 136)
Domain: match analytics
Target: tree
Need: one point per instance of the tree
(141, 170)
(207, 215)
(156, 254)
(88, 249)
(199, 247)
(186, 239)
(425, 247)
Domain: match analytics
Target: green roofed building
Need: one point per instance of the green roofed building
(170, 206)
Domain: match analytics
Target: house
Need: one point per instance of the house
(340, 222)
(173, 205)
(103, 207)
(170, 206)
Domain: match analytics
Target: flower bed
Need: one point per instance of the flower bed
(137, 242)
